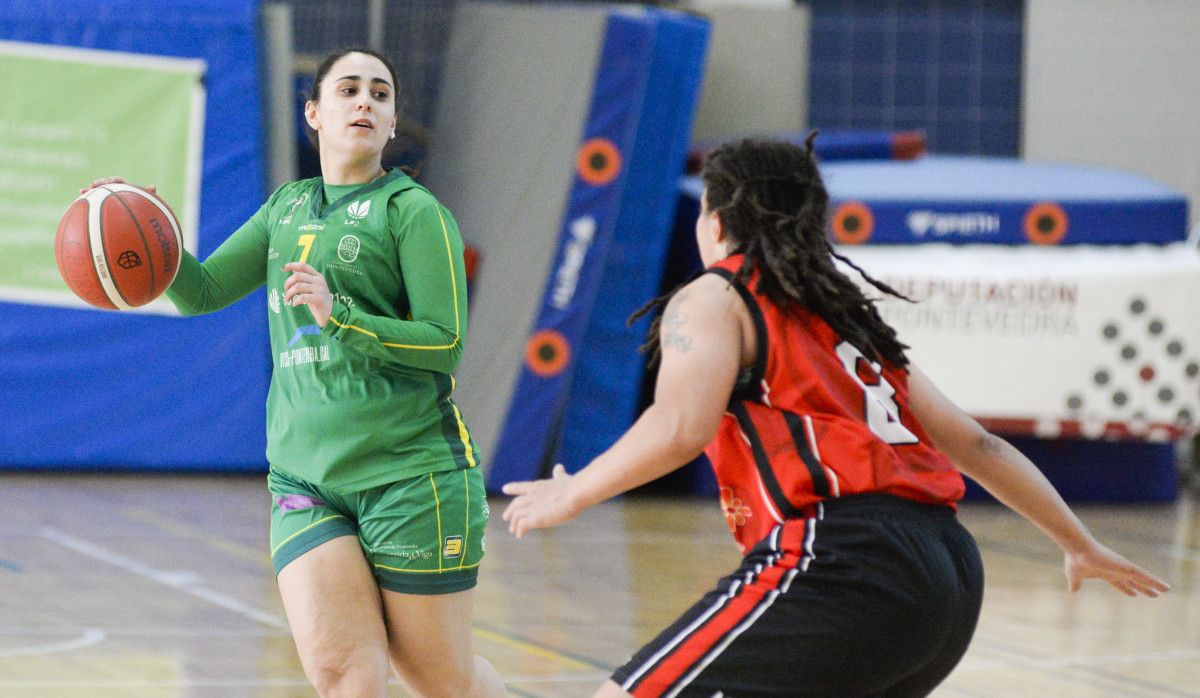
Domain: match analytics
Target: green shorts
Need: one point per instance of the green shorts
(421, 535)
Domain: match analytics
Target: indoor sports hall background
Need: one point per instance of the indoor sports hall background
(557, 133)
(1027, 170)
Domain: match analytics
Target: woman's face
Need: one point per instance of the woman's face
(710, 240)
(356, 113)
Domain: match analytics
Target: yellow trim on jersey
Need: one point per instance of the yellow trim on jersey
(464, 435)
(318, 521)
(398, 569)
(450, 260)
(438, 505)
(356, 328)
(467, 520)
(454, 290)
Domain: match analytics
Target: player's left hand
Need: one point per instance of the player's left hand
(540, 503)
(1098, 562)
(306, 286)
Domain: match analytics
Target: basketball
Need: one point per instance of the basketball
(118, 246)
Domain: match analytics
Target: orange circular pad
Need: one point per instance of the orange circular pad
(598, 162)
(1046, 223)
(853, 223)
(547, 353)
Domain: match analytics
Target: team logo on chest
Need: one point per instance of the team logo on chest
(293, 204)
(357, 211)
(348, 248)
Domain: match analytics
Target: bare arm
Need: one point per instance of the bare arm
(1013, 479)
(701, 339)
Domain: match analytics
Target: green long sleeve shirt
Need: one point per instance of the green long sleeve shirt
(365, 400)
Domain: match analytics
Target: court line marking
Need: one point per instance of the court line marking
(147, 516)
(91, 636)
(538, 650)
(181, 580)
(189, 583)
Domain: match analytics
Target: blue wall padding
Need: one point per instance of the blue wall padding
(1100, 471)
(607, 381)
(643, 100)
(838, 144)
(529, 436)
(97, 389)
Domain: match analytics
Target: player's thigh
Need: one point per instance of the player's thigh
(424, 535)
(334, 609)
(429, 639)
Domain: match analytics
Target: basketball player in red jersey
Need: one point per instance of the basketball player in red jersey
(836, 458)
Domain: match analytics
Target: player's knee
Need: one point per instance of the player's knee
(454, 679)
(347, 674)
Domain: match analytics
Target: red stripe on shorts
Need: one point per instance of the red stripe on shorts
(684, 657)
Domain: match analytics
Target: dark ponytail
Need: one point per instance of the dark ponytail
(772, 204)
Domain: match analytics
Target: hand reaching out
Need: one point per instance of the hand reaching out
(1098, 562)
(307, 286)
(540, 503)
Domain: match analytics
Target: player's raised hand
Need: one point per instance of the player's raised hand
(540, 503)
(307, 286)
(1098, 562)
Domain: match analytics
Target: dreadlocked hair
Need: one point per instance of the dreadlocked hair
(772, 205)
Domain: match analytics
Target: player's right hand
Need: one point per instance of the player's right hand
(540, 503)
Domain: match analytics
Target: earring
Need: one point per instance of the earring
(393, 133)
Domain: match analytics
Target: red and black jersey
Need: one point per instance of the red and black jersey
(814, 419)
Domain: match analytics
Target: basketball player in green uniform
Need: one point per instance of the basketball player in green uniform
(379, 506)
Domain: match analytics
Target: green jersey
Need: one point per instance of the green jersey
(366, 399)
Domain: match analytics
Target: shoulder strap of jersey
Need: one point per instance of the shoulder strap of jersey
(752, 388)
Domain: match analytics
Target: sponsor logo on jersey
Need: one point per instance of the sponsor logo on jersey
(272, 253)
(967, 224)
(303, 331)
(293, 204)
(312, 226)
(356, 211)
(453, 547)
(303, 355)
(348, 248)
(273, 301)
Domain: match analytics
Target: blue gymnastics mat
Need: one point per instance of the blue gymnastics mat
(976, 200)
(999, 201)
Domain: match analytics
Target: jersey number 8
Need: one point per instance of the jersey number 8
(880, 410)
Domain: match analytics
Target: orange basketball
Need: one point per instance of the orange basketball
(118, 246)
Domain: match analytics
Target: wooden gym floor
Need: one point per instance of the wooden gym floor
(160, 585)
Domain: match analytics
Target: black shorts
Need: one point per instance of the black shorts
(873, 596)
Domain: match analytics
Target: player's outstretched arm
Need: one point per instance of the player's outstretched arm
(1013, 479)
(701, 340)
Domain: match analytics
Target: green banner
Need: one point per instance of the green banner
(69, 116)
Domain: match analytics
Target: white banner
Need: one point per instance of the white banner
(1098, 342)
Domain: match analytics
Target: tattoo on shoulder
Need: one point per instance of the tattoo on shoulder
(672, 339)
(672, 322)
